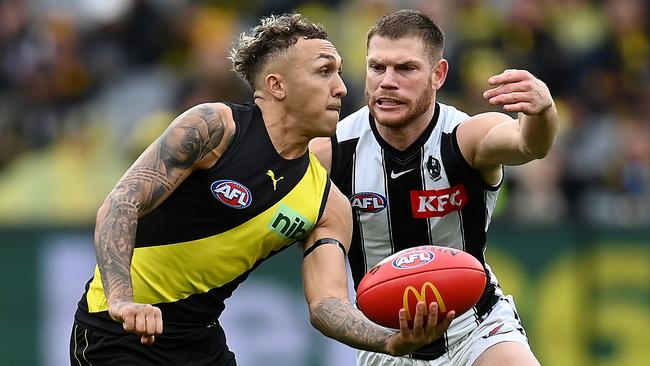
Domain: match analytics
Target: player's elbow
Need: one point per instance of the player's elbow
(103, 209)
(323, 311)
(316, 316)
(538, 152)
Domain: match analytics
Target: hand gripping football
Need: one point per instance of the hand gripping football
(452, 278)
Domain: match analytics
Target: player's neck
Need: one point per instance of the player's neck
(279, 125)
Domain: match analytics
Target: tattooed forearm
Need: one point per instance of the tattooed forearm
(114, 238)
(139, 190)
(340, 320)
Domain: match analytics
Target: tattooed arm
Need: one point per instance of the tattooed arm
(326, 290)
(194, 140)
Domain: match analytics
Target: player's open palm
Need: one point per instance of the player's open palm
(519, 91)
(425, 330)
(144, 320)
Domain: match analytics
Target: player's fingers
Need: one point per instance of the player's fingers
(150, 323)
(523, 107)
(403, 322)
(159, 322)
(509, 76)
(432, 318)
(147, 339)
(418, 320)
(444, 324)
(506, 88)
(128, 321)
(510, 98)
(141, 322)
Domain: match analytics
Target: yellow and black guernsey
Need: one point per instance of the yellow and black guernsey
(195, 248)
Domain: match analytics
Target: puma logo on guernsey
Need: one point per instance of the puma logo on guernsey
(275, 181)
(290, 224)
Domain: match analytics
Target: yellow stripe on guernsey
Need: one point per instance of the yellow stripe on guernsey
(172, 272)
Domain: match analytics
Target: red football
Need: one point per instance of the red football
(451, 277)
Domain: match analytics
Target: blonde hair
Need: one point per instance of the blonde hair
(271, 38)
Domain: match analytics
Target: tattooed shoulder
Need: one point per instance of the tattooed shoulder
(192, 136)
(170, 159)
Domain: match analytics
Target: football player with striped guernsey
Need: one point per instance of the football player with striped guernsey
(225, 187)
(419, 172)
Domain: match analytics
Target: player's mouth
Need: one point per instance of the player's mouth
(334, 107)
(388, 103)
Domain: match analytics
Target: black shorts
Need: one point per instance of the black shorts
(199, 346)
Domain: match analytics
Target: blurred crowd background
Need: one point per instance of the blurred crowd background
(85, 85)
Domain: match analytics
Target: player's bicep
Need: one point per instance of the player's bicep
(184, 146)
(324, 266)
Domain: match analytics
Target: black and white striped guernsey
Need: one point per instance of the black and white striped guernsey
(426, 194)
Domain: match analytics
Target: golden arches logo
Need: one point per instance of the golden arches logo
(422, 296)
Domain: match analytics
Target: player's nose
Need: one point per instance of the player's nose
(340, 90)
(389, 79)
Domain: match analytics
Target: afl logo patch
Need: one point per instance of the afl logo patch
(232, 194)
(368, 202)
(413, 259)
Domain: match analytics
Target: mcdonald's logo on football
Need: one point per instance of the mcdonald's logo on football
(422, 296)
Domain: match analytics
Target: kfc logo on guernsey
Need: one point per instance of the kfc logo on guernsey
(413, 259)
(368, 202)
(232, 194)
(437, 202)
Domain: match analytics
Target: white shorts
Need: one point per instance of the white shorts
(501, 325)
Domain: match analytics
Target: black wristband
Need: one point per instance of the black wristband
(320, 242)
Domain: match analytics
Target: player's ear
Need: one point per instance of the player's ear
(440, 70)
(275, 85)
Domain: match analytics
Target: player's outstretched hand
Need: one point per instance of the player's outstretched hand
(519, 91)
(426, 329)
(142, 319)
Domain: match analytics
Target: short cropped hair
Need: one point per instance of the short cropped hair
(409, 23)
(271, 38)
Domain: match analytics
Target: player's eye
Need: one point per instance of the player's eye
(406, 67)
(376, 68)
